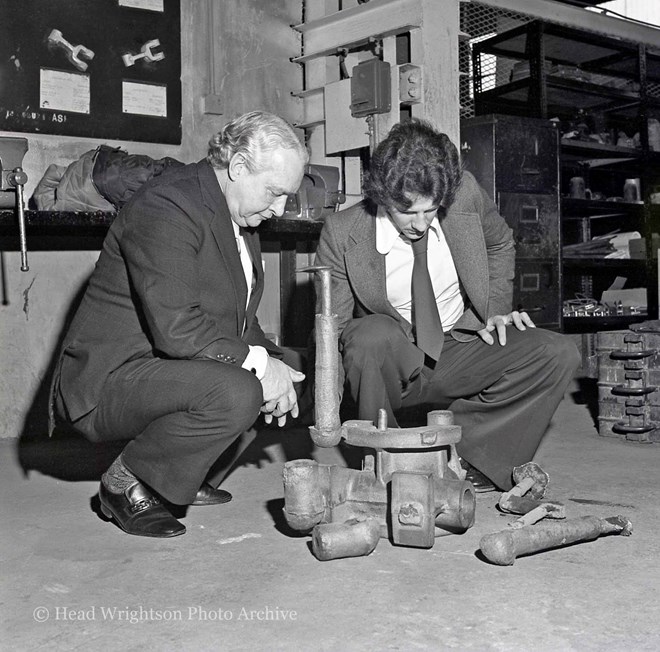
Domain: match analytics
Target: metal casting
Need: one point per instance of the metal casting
(411, 488)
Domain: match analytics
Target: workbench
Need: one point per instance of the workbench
(85, 231)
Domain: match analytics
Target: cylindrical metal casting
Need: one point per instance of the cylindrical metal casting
(353, 539)
(440, 418)
(460, 501)
(327, 430)
(303, 494)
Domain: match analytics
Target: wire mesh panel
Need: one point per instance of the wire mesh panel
(484, 71)
(480, 21)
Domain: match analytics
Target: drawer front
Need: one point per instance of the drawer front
(536, 291)
(526, 160)
(535, 222)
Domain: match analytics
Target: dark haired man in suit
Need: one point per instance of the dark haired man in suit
(422, 278)
(165, 348)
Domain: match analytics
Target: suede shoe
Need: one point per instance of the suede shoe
(481, 483)
(208, 495)
(137, 511)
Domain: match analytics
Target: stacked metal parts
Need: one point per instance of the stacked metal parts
(629, 382)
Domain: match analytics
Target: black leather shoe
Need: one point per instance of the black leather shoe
(208, 495)
(137, 511)
(481, 483)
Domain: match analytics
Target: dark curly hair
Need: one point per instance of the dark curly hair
(414, 160)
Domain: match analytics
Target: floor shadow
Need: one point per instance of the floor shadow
(67, 455)
(587, 395)
(34, 445)
(292, 442)
(275, 508)
(95, 506)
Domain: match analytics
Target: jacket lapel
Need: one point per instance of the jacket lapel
(223, 233)
(465, 239)
(366, 269)
(464, 235)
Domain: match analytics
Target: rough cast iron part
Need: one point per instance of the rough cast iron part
(503, 548)
(411, 507)
(327, 429)
(411, 488)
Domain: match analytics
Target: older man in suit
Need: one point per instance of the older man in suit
(165, 348)
(422, 274)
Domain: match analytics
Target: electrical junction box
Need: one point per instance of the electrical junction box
(370, 88)
(410, 83)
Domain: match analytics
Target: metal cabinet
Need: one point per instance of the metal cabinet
(516, 160)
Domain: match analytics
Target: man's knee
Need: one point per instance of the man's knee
(562, 350)
(556, 350)
(568, 353)
(240, 404)
(370, 333)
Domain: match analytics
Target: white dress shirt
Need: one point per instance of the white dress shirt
(257, 359)
(399, 258)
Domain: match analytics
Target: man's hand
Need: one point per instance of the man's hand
(279, 394)
(498, 323)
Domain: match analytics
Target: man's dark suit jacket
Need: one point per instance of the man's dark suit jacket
(168, 283)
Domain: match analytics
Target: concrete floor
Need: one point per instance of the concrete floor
(239, 581)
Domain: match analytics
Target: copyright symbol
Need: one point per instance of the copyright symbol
(41, 614)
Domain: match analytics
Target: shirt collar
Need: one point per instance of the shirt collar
(387, 233)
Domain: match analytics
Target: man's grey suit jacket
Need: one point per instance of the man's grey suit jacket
(480, 242)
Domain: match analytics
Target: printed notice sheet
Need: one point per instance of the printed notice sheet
(63, 91)
(150, 5)
(144, 99)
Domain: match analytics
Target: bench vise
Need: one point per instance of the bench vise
(13, 178)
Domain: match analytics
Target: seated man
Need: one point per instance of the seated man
(165, 348)
(431, 331)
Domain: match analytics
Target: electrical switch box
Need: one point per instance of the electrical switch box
(370, 88)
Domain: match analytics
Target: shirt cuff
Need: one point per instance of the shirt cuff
(256, 361)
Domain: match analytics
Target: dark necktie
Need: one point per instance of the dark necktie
(425, 317)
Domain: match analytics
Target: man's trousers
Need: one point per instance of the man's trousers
(180, 416)
(502, 396)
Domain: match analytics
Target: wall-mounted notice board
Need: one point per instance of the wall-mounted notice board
(91, 68)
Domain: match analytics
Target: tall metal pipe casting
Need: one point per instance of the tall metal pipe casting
(327, 431)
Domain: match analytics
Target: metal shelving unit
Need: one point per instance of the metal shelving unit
(600, 92)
